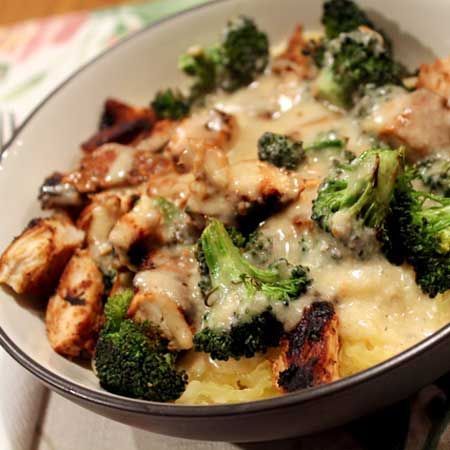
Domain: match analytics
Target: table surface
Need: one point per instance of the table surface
(17, 10)
(86, 430)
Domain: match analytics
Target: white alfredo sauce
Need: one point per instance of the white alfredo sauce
(379, 305)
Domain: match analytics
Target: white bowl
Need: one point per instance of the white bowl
(133, 71)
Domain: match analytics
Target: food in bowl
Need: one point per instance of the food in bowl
(280, 224)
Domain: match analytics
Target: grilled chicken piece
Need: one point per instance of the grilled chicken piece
(151, 223)
(226, 191)
(163, 294)
(171, 185)
(74, 313)
(294, 58)
(114, 165)
(199, 132)
(419, 120)
(34, 261)
(97, 220)
(120, 123)
(159, 137)
(257, 182)
(436, 77)
(162, 311)
(110, 166)
(57, 192)
(309, 354)
(138, 226)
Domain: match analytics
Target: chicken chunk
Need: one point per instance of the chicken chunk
(159, 137)
(226, 191)
(74, 313)
(34, 261)
(57, 192)
(171, 185)
(309, 353)
(257, 182)
(120, 123)
(164, 292)
(201, 131)
(114, 165)
(419, 120)
(164, 313)
(153, 221)
(141, 224)
(294, 58)
(97, 220)
(436, 77)
(110, 166)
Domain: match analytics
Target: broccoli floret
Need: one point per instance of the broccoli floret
(351, 62)
(316, 48)
(239, 240)
(133, 359)
(280, 150)
(419, 232)
(231, 64)
(205, 282)
(352, 203)
(258, 248)
(170, 104)
(116, 309)
(249, 295)
(342, 16)
(244, 339)
(435, 174)
(202, 65)
(245, 51)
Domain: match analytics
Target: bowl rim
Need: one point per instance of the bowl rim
(104, 398)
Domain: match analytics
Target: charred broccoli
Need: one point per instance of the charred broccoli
(435, 174)
(352, 204)
(280, 150)
(235, 62)
(170, 104)
(132, 359)
(351, 62)
(418, 231)
(249, 295)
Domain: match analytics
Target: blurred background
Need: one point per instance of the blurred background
(18, 10)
